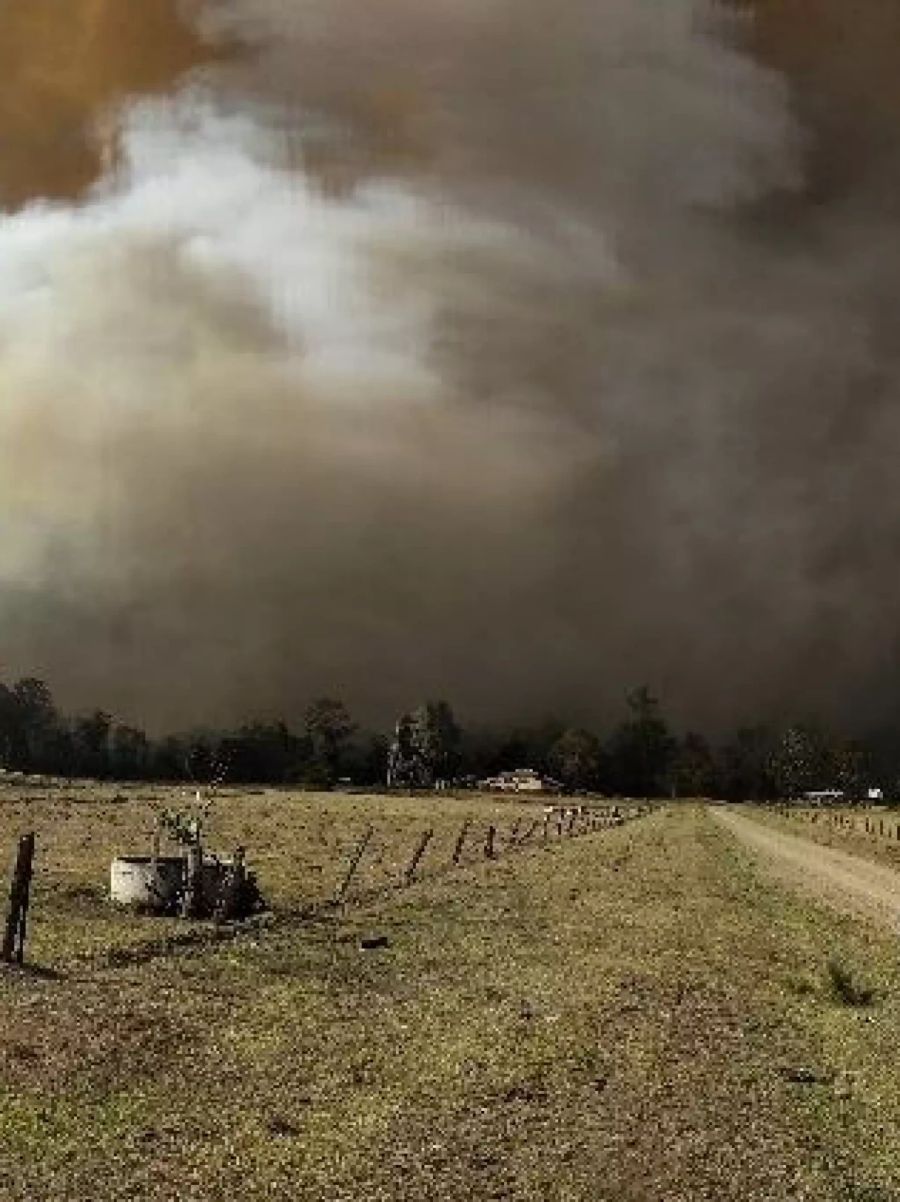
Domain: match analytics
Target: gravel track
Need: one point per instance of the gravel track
(847, 882)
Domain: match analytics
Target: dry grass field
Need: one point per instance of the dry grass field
(298, 844)
(635, 1014)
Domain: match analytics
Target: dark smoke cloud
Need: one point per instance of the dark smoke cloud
(457, 351)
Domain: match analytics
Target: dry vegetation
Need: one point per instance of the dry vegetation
(631, 1015)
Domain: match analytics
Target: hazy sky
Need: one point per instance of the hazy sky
(485, 349)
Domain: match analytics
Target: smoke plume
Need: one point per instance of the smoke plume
(463, 350)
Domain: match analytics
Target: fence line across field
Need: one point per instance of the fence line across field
(489, 846)
(492, 844)
(853, 824)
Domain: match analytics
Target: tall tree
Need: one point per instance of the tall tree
(129, 753)
(642, 748)
(747, 765)
(438, 736)
(34, 726)
(576, 758)
(403, 768)
(799, 762)
(425, 748)
(328, 727)
(9, 728)
(849, 767)
(693, 771)
(91, 734)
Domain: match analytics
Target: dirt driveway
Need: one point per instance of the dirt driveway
(847, 882)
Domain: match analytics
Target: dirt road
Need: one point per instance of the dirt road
(849, 883)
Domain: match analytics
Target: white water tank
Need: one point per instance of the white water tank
(153, 884)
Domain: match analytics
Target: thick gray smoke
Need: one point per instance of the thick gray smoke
(478, 350)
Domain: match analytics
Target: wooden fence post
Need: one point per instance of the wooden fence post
(571, 825)
(228, 904)
(341, 891)
(192, 898)
(410, 874)
(489, 850)
(19, 893)
(155, 847)
(460, 841)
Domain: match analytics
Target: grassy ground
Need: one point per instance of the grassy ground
(632, 1015)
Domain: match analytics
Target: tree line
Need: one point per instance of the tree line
(640, 757)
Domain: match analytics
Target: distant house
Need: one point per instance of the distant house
(521, 780)
(824, 796)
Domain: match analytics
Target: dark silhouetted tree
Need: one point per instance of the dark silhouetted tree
(33, 737)
(328, 728)
(425, 748)
(746, 765)
(693, 772)
(799, 762)
(641, 749)
(576, 759)
(129, 753)
(91, 738)
(403, 767)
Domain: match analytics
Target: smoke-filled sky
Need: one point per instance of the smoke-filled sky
(509, 352)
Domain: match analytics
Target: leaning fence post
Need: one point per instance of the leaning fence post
(461, 840)
(19, 892)
(341, 891)
(410, 873)
(489, 842)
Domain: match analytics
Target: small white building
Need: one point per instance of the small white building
(824, 796)
(521, 780)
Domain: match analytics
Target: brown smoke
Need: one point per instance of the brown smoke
(454, 350)
(844, 61)
(65, 68)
